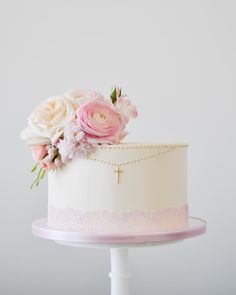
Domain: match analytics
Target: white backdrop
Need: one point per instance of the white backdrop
(177, 61)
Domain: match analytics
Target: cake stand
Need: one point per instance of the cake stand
(118, 245)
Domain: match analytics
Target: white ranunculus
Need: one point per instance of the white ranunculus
(46, 123)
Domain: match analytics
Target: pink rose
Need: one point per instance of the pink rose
(125, 109)
(100, 122)
(39, 152)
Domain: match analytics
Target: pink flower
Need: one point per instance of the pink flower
(58, 163)
(39, 152)
(67, 150)
(100, 122)
(125, 109)
(47, 164)
(73, 132)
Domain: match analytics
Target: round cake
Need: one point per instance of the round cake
(121, 188)
(97, 183)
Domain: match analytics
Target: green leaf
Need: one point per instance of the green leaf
(113, 95)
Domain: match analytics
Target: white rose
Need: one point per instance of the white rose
(46, 123)
(79, 96)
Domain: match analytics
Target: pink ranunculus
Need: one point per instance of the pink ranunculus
(39, 152)
(100, 122)
(125, 108)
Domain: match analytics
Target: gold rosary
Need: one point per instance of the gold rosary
(117, 166)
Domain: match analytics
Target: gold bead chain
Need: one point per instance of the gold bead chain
(131, 161)
(135, 147)
(122, 164)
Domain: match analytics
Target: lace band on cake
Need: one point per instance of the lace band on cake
(117, 222)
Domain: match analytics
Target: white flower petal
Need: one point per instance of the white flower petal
(33, 138)
(47, 121)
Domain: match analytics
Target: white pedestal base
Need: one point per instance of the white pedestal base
(119, 271)
(118, 245)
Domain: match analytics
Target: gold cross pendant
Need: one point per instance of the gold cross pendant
(118, 171)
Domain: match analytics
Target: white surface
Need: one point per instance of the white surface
(176, 60)
(149, 185)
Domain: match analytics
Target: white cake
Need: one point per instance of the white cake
(123, 188)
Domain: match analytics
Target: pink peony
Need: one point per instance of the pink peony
(124, 107)
(100, 122)
(39, 152)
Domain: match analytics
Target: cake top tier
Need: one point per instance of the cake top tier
(79, 123)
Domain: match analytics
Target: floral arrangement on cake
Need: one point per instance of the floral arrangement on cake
(74, 124)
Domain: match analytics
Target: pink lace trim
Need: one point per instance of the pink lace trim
(117, 222)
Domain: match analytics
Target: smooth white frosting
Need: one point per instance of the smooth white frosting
(149, 185)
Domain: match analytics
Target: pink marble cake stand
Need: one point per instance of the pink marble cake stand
(119, 245)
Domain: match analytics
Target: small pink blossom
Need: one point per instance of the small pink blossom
(123, 134)
(125, 108)
(73, 132)
(67, 150)
(47, 164)
(52, 151)
(100, 122)
(85, 148)
(39, 152)
(58, 162)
